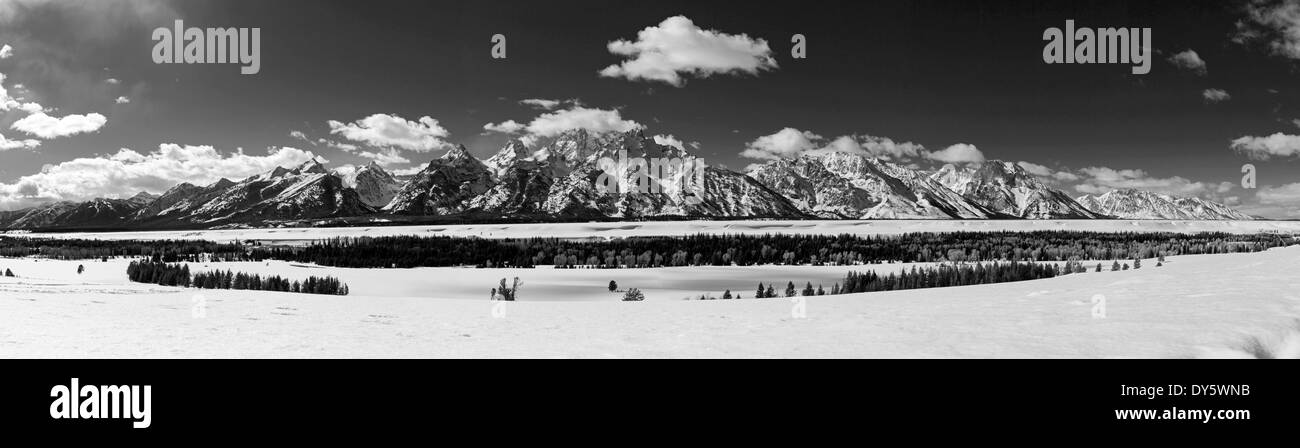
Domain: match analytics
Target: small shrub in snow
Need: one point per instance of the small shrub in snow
(633, 295)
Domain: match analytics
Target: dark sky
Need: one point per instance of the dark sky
(933, 73)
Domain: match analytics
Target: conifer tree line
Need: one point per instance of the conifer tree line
(646, 252)
(936, 276)
(176, 274)
(748, 250)
(170, 251)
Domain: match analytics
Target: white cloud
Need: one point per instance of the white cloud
(786, 143)
(1282, 202)
(127, 172)
(303, 137)
(411, 171)
(1066, 176)
(1215, 95)
(8, 102)
(1047, 173)
(540, 103)
(597, 121)
(348, 173)
(392, 131)
(1036, 169)
(669, 140)
(958, 153)
(1100, 180)
(881, 147)
(1264, 148)
(1277, 24)
(678, 47)
(345, 147)
(47, 127)
(547, 104)
(122, 100)
(887, 148)
(790, 143)
(505, 127)
(7, 144)
(385, 157)
(1189, 60)
(6, 52)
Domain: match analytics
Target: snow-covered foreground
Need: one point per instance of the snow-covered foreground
(679, 228)
(1195, 306)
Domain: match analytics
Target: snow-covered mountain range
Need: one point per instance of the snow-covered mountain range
(561, 178)
(1007, 188)
(1137, 204)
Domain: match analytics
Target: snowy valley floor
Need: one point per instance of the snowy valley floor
(1240, 305)
(682, 228)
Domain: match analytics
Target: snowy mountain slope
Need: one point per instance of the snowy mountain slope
(1007, 188)
(444, 187)
(375, 186)
(1136, 204)
(99, 212)
(577, 189)
(307, 191)
(845, 185)
(560, 177)
(45, 216)
(175, 203)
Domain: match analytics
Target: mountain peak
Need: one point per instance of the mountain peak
(1128, 203)
(222, 183)
(142, 197)
(313, 166)
(457, 153)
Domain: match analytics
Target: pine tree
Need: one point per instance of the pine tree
(820, 291)
(808, 290)
(1137, 263)
(726, 295)
(80, 269)
(759, 294)
(613, 286)
(1098, 267)
(9, 273)
(789, 290)
(1115, 267)
(770, 292)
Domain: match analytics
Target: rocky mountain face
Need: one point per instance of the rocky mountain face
(1007, 188)
(305, 192)
(94, 213)
(562, 177)
(579, 175)
(1137, 204)
(308, 191)
(841, 185)
(444, 187)
(375, 186)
